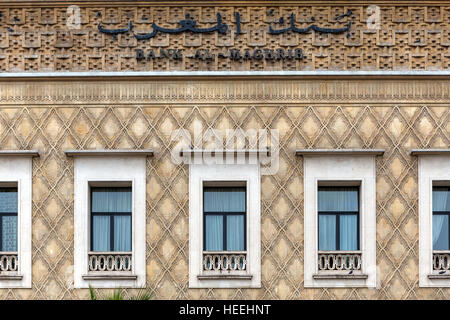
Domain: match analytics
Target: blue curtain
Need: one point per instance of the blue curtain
(441, 199)
(327, 232)
(214, 233)
(224, 199)
(9, 233)
(122, 233)
(111, 199)
(8, 200)
(441, 203)
(343, 199)
(235, 233)
(348, 235)
(9, 204)
(101, 233)
(440, 232)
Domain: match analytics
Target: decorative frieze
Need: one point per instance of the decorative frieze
(188, 92)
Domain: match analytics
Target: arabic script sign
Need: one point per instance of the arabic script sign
(190, 25)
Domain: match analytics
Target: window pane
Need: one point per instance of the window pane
(440, 232)
(441, 199)
(348, 234)
(111, 199)
(341, 199)
(8, 200)
(9, 233)
(214, 233)
(101, 233)
(235, 232)
(122, 233)
(224, 199)
(327, 232)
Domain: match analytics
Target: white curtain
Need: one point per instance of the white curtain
(343, 199)
(348, 235)
(327, 232)
(235, 233)
(224, 199)
(101, 233)
(122, 233)
(441, 203)
(214, 233)
(111, 200)
(441, 199)
(440, 232)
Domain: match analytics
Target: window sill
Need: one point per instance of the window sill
(340, 276)
(10, 277)
(438, 276)
(225, 277)
(110, 276)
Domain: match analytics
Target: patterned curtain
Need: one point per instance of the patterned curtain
(8, 214)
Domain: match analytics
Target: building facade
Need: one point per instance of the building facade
(352, 95)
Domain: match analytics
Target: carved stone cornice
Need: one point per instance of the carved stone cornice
(219, 92)
(93, 3)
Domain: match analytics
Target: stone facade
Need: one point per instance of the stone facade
(51, 115)
(410, 36)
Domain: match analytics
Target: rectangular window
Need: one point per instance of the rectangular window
(8, 219)
(224, 212)
(338, 211)
(111, 219)
(441, 218)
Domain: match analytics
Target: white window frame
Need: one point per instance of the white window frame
(433, 168)
(248, 173)
(16, 168)
(343, 167)
(104, 168)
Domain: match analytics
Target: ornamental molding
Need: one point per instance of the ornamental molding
(115, 152)
(220, 92)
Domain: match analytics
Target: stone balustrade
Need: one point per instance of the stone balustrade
(441, 260)
(110, 261)
(225, 261)
(339, 260)
(9, 261)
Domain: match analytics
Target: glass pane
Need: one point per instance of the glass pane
(8, 200)
(101, 233)
(235, 232)
(327, 232)
(224, 199)
(122, 233)
(111, 199)
(9, 233)
(440, 232)
(214, 233)
(341, 199)
(441, 199)
(348, 234)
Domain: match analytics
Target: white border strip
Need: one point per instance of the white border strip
(223, 73)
